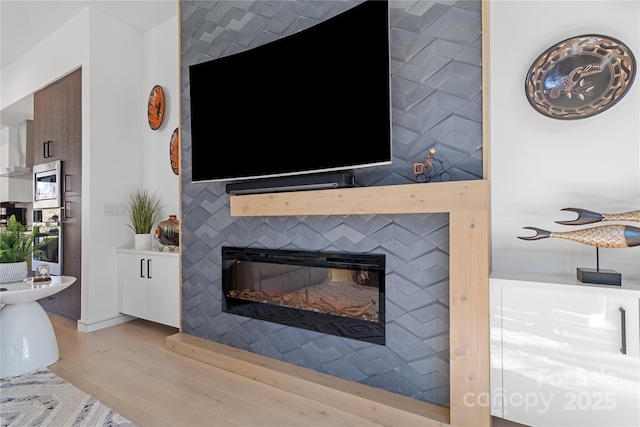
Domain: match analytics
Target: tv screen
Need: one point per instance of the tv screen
(314, 101)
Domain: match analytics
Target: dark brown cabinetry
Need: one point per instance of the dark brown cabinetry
(50, 111)
(58, 136)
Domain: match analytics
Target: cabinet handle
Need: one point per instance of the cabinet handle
(67, 181)
(148, 269)
(44, 149)
(623, 330)
(67, 211)
(142, 267)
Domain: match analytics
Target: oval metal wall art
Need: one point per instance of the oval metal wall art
(174, 151)
(580, 77)
(155, 107)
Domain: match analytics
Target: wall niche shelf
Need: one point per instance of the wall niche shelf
(467, 203)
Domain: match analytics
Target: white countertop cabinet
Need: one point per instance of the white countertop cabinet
(149, 285)
(564, 353)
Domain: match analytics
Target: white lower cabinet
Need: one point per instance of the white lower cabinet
(564, 353)
(149, 285)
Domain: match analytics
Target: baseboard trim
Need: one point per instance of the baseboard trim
(378, 405)
(96, 325)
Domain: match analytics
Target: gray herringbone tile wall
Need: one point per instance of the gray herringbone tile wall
(436, 96)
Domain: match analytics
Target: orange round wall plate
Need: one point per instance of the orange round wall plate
(155, 107)
(174, 151)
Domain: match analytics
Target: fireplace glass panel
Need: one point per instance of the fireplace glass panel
(335, 293)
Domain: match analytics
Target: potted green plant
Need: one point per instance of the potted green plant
(17, 246)
(143, 209)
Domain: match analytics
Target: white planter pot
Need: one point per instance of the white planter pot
(13, 272)
(143, 241)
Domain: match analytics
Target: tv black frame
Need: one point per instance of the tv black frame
(338, 136)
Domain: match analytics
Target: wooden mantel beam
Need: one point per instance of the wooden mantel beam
(435, 197)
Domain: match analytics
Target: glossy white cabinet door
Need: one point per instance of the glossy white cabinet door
(495, 325)
(163, 293)
(561, 354)
(132, 285)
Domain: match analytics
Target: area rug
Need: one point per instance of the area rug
(43, 399)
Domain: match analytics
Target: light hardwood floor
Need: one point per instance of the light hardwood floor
(129, 368)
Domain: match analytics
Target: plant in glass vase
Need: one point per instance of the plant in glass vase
(143, 209)
(17, 246)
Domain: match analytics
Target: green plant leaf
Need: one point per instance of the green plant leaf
(144, 210)
(16, 245)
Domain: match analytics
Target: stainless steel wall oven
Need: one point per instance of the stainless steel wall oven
(48, 225)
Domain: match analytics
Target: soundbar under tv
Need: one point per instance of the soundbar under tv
(292, 183)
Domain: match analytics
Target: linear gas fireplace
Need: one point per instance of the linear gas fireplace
(334, 293)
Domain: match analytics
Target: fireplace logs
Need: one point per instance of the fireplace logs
(365, 311)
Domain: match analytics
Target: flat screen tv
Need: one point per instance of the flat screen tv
(314, 101)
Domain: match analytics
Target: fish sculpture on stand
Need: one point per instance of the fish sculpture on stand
(601, 236)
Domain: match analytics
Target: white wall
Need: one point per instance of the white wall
(160, 59)
(115, 148)
(64, 51)
(112, 159)
(540, 165)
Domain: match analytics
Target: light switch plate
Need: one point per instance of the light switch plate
(114, 209)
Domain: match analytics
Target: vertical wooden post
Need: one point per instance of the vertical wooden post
(469, 319)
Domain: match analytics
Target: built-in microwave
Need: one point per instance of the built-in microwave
(47, 185)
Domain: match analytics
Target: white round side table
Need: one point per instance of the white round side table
(27, 339)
